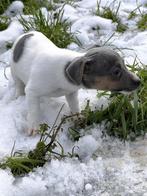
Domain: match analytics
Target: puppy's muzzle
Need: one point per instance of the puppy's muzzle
(134, 82)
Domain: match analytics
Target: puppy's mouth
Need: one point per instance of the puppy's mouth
(105, 83)
(124, 90)
(131, 88)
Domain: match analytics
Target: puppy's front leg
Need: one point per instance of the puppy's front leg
(33, 119)
(73, 102)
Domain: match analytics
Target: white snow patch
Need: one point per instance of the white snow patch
(70, 13)
(88, 22)
(16, 8)
(6, 181)
(87, 145)
(10, 34)
(88, 187)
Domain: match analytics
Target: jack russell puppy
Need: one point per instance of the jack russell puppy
(39, 68)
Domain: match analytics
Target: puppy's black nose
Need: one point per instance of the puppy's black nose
(137, 82)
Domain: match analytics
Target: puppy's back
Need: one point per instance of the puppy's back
(25, 50)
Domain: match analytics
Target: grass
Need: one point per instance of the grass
(28, 5)
(133, 13)
(70, 2)
(54, 27)
(4, 23)
(112, 14)
(142, 23)
(124, 118)
(4, 5)
(21, 164)
(36, 5)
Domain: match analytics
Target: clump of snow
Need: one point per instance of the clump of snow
(93, 3)
(139, 1)
(44, 12)
(88, 187)
(9, 35)
(87, 145)
(16, 8)
(6, 181)
(90, 23)
(70, 13)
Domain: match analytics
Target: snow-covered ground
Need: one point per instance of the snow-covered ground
(115, 168)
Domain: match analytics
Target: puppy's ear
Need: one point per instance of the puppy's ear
(75, 69)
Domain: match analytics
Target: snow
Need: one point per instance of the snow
(88, 187)
(107, 166)
(14, 9)
(87, 145)
(88, 23)
(10, 34)
(70, 13)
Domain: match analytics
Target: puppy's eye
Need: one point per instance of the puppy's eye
(117, 72)
(12, 12)
(87, 68)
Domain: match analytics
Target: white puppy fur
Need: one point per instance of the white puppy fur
(42, 69)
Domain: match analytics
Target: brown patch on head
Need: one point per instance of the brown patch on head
(106, 83)
(101, 83)
(126, 83)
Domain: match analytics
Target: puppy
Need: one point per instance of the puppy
(39, 68)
